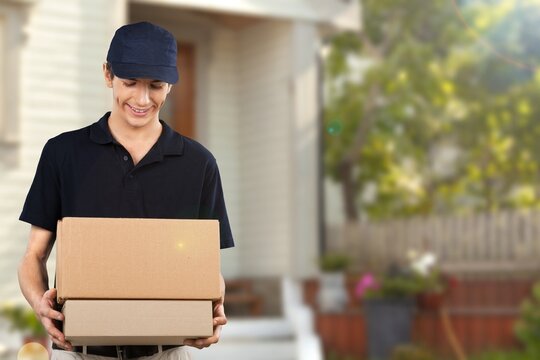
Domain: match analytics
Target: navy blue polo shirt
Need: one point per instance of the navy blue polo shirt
(87, 173)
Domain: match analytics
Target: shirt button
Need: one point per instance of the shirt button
(125, 158)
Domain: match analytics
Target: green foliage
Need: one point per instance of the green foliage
(501, 355)
(23, 320)
(527, 328)
(419, 275)
(334, 262)
(397, 286)
(434, 281)
(435, 121)
(411, 352)
(334, 356)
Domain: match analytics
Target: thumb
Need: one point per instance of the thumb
(50, 294)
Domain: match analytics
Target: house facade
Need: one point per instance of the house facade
(248, 91)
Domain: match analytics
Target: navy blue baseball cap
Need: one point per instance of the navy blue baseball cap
(143, 50)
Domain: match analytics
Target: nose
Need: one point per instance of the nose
(143, 95)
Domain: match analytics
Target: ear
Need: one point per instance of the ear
(169, 88)
(107, 75)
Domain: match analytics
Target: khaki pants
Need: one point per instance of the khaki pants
(180, 353)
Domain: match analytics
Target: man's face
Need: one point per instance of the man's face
(137, 101)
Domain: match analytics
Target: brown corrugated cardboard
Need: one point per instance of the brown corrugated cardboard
(136, 322)
(104, 258)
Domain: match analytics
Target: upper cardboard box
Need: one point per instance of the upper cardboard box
(105, 258)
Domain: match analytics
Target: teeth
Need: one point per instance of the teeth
(137, 110)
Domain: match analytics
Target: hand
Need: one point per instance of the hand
(219, 320)
(46, 314)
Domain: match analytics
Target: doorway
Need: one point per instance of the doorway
(182, 116)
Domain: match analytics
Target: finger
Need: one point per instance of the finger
(191, 342)
(219, 308)
(49, 297)
(62, 344)
(202, 343)
(220, 320)
(220, 301)
(207, 342)
(54, 332)
(50, 294)
(188, 342)
(219, 314)
(52, 314)
(214, 339)
(217, 333)
(196, 343)
(69, 346)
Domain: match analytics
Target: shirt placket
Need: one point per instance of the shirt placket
(131, 187)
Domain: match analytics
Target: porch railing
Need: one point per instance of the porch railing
(506, 241)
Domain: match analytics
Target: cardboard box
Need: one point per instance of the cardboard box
(136, 322)
(104, 258)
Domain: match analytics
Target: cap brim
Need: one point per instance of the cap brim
(167, 74)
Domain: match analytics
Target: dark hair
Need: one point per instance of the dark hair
(108, 67)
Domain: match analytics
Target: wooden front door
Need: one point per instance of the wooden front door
(182, 96)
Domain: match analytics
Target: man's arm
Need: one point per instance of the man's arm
(34, 283)
(219, 320)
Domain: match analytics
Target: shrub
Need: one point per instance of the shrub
(334, 262)
(527, 328)
(411, 352)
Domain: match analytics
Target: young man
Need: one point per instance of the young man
(128, 164)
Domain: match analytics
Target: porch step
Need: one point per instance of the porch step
(255, 329)
(245, 350)
(290, 337)
(253, 339)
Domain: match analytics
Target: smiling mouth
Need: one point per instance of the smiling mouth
(137, 110)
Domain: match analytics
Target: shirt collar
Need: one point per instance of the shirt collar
(169, 142)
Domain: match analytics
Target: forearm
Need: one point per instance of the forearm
(33, 279)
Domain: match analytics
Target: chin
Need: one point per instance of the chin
(140, 121)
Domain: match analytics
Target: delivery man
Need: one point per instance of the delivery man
(128, 164)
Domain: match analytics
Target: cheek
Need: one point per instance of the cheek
(117, 99)
(120, 96)
(160, 99)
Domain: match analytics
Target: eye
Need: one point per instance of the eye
(129, 83)
(157, 86)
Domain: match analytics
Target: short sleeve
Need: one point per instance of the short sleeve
(43, 204)
(213, 204)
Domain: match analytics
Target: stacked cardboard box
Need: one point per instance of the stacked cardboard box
(137, 281)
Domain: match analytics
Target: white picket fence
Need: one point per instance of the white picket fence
(507, 241)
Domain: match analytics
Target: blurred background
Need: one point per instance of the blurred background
(374, 154)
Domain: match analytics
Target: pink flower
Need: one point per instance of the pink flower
(367, 282)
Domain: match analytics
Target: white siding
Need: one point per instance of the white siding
(61, 89)
(304, 167)
(264, 138)
(223, 132)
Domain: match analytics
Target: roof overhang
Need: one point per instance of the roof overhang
(338, 14)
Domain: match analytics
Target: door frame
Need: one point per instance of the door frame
(192, 29)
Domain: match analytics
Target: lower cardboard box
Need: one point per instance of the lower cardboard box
(136, 322)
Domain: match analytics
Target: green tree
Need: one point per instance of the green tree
(437, 116)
